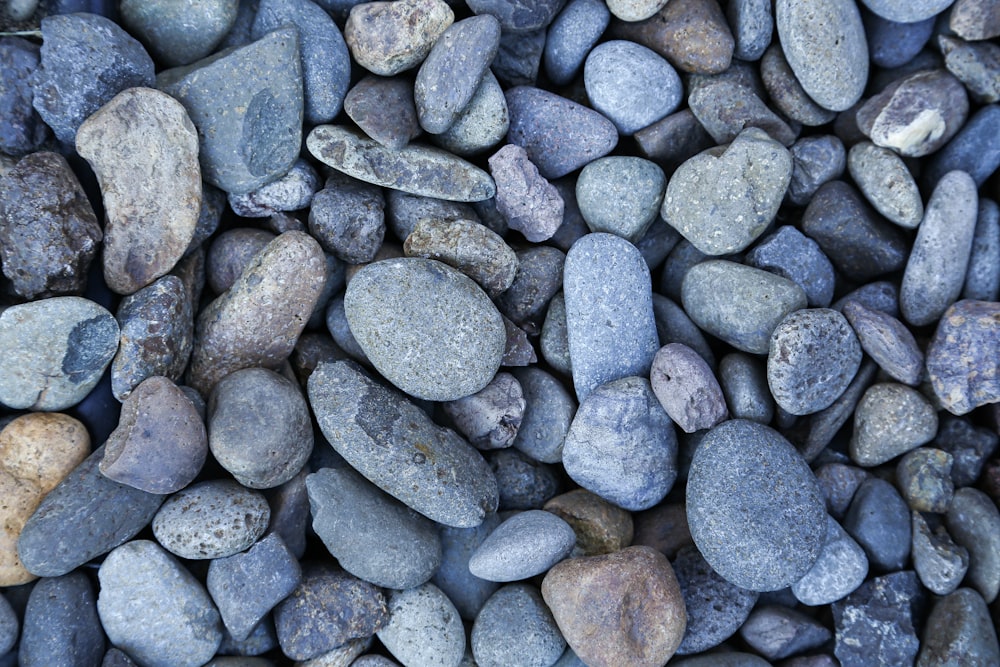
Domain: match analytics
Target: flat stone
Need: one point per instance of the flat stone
(939, 562)
(964, 340)
(890, 420)
(974, 523)
(526, 200)
(384, 109)
(841, 567)
(515, 627)
(789, 253)
(571, 36)
(886, 183)
(424, 627)
(743, 381)
(878, 622)
(620, 195)
(787, 94)
(548, 413)
(815, 160)
(878, 520)
(886, 340)
(630, 84)
(777, 632)
(22, 129)
(387, 38)
(174, 34)
(687, 389)
(527, 544)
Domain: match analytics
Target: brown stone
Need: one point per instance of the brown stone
(600, 527)
(692, 34)
(663, 528)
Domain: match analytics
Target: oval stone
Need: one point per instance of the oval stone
(524, 545)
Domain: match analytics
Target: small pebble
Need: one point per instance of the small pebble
(974, 19)
(687, 389)
(969, 446)
(484, 122)
(841, 567)
(519, 57)
(528, 202)
(924, 479)
(877, 624)
(571, 36)
(878, 520)
(752, 24)
(974, 523)
(175, 36)
(726, 107)
(384, 109)
(790, 254)
(939, 562)
(389, 38)
(292, 192)
(347, 217)
(548, 412)
(524, 483)
(911, 12)
(674, 326)
(663, 527)
(673, 140)
(982, 281)
(490, 418)
(890, 420)
(974, 150)
(894, 44)
(524, 545)
(975, 64)
(815, 160)
(886, 183)
(620, 195)
(778, 632)
(515, 627)
(886, 340)
(405, 210)
(881, 295)
(787, 93)
(744, 384)
(424, 627)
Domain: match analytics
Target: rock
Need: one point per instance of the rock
(790, 254)
(571, 36)
(405, 210)
(739, 304)
(259, 427)
(959, 625)
(939, 562)
(600, 527)
(548, 413)
(247, 106)
(22, 129)
(523, 483)
(467, 591)
(673, 140)
(674, 326)
(86, 60)
(877, 623)
(969, 445)
(154, 609)
(347, 218)
(886, 183)
(424, 627)
(230, 253)
(519, 57)
(731, 475)
(778, 632)
(160, 444)
(975, 65)
(881, 296)
(886, 340)
(893, 44)
(838, 482)
(539, 277)
(924, 479)
(621, 445)
(589, 598)
(612, 333)
(787, 93)
(396, 446)
(371, 535)
(389, 38)
(515, 627)
(384, 109)
(292, 192)
(48, 231)
(620, 195)
(491, 417)
(877, 519)
(728, 659)
(815, 160)
(482, 124)
(528, 202)
(726, 107)
(890, 420)
(974, 522)
(664, 528)
(982, 280)
(964, 334)
(839, 570)
(56, 350)
(516, 17)
(831, 65)
(559, 135)
(420, 170)
(744, 385)
(687, 389)
(909, 13)
(974, 150)
(257, 321)
(524, 545)
(974, 20)
(175, 35)
(752, 24)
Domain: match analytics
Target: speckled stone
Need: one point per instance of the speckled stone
(886, 340)
(686, 388)
(630, 84)
(923, 477)
(815, 160)
(974, 150)
(939, 562)
(974, 522)
(515, 627)
(725, 107)
(424, 627)
(671, 141)
(841, 567)
(620, 195)
(975, 64)
(524, 545)
(891, 419)
(600, 527)
(178, 34)
(527, 201)
(777, 631)
(965, 339)
(292, 192)
(878, 520)
(384, 109)
(886, 183)
(539, 277)
(893, 44)
(347, 217)
(838, 482)
(571, 36)
(789, 253)
(484, 122)
(548, 412)
(982, 281)
(969, 445)
(786, 92)
(230, 253)
(877, 624)
(389, 38)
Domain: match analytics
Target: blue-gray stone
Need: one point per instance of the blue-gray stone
(291, 192)
(909, 12)
(290, 511)
(609, 311)
(657, 242)
(744, 384)
(179, 34)
(621, 195)
(424, 627)
(732, 477)
(879, 520)
(789, 253)
(674, 139)
(776, 632)
(554, 339)
(892, 43)
(969, 445)
(622, 446)
(939, 562)
(982, 280)
(86, 60)
(881, 295)
(886, 340)
(61, 627)
(524, 483)
(726, 107)
(839, 570)
(539, 277)
(85, 516)
(676, 267)
(326, 63)
(10, 627)
(752, 24)
(117, 658)
(877, 624)
(383, 107)
(815, 160)
(515, 16)
(548, 412)
(515, 627)
(21, 128)
(519, 57)
(886, 182)
(482, 125)
(975, 64)
(467, 591)
(571, 37)
(959, 628)
(966, 338)
(526, 544)
(787, 94)
(974, 522)
(674, 326)
(974, 150)
(347, 217)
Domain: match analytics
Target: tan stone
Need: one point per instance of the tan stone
(600, 527)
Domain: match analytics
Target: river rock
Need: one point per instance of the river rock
(389, 38)
(959, 625)
(424, 627)
(744, 384)
(384, 109)
(61, 626)
(173, 33)
(939, 562)
(923, 477)
(620, 195)
(515, 627)
(886, 340)
(877, 624)
(787, 93)
(686, 388)
(524, 545)
(963, 340)
(886, 183)
(22, 129)
(548, 412)
(877, 519)
(292, 192)
(974, 523)
(841, 567)
(539, 277)
(571, 36)
(815, 160)
(467, 591)
(528, 202)
(891, 419)
(974, 150)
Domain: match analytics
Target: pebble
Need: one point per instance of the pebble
(838, 482)
(890, 420)
(160, 444)
(173, 34)
(49, 234)
(326, 62)
(726, 107)
(624, 608)
(56, 350)
(548, 412)
(887, 341)
(519, 57)
(733, 470)
(620, 195)
(22, 129)
(247, 107)
(974, 20)
(729, 659)
(787, 93)
(778, 632)
(347, 217)
(571, 36)
(257, 321)
(600, 527)
(372, 536)
(743, 381)
(621, 445)
(790, 254)
(292, 192)
(832, 64)
(230, 253)
(752, 24)
(878, 520)
(424, 627)
(518, 350)
(715, 608)
(289, 505)
(939, 562)
(527, 201)
(974, 523)
(467, 591)
(815, 160)
(246, 586)
(877, 624)
(515, 627)
(404, 211)
(959, 624)
(742, 185)
(886, 183)
(687, 389)
(524, 483)
(86, 60)
(964, 339)
(399, 449)
(911, 12)
(858, 241)
(326, 610)
(674, 326)
(841, 567)
(924, 479)
(893, 44)
(491, 417)
(10, 627)
(559, 135)
(739, 304)
(482, 124)
(539, 277)
(974, 150)
(152, 608)
(389, 38)
(673, 140)
(969, 445)
(975, 64)
(384, 109)
(554, 338)
(982, 280)
(524, 545)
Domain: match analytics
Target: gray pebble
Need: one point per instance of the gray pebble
(789, 253)
(152, 608)
(524, 545)
(524, 483)
(515, 627)
(725, 108)
(212, 519)
(391, 38)
(939, 562)
(483, 123)
(548, 412)
(516, 17)
(923, 477)
(10, 627)
(518, 350)
(573, 226)
(230, 253)
(424, 628)
(975, 64)
(881, 295)
(891, 419)
(982, 280)
(815, 160)
(893, 44)
(289, 505)
(22, 129)
(733, 472)
(786, 92)
(752, 24)
(527, 201)
(966, 338)
(491, 417)
(175, 36)
(620, 195)
(886, 340)
(347, 217)
(384, 109)
(877, 624)
(539, 277)
(609, 311)
(554, 339)
(519, 57)
(744, 384)
(974, 20)
(841, 567)
(723, 659)
(398, 448)
(657, 242)
(778, 632)
(674, 326)
(687, 389)
(372, 536)
(969, 445)
(621, 445)
(571, 36)
(673, 140)
(838, 482)
(823, 426)
(467, 591)
(909, 12)
(959, 625)
(878, 519)
(405, 210)
(61, 627)
(292, 192)
(974, 150)
(974, 522)
(886, 183)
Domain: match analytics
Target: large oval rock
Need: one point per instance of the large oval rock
(179, 34)
(752, 536)
(959, 625)
(429, 329)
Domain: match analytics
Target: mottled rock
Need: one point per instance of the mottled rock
(686, 388)
(886, 183)
(467, 246)
(292, 192)
(939, 562)
(959, 625)
(424, 627)
(743, 381)
(923, 477)
(975, 64)
(877, 519)
(390, 37)
(960, 359)
(22, 129)
(491, 417)
(620, 195)
(230, 253)
(841, 567)
(526, 200)
(891, 419)
(384, 109)
(600, 527)
(878, 622)
(752, 24)
(548, 412)
(974, 522)
(347, 217)
(539, 277)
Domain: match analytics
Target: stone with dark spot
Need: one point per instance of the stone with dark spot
(384, 109)
(686, 388)
(491, 417)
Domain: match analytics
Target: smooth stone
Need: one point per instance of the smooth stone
(49, 234)
(982, 280)
(554, 339)
(515, 627)
(939, 562)
(523, 483)
(56, 350)
(387, 38)
(571, 36)
(743, 381)
(974, 523)
(516, 17)
(246, 586)
(969, 445)
(417, 169)
(612, 332)
(424, 627)
(539, 277)
(621, 445)
(600, 527)
(160, 443)
(733, 470)
(347, 217)
(491, 417)
(482, 125)
(728, 659)
(559, 135)
(674, 326)
(923, 477)
(886, 340)
(372, 536)
(673, 140)
(910, 12)
(259, 427)
(813, 356)
(292, 192)
(326, 62)
(742, 184)
(548, 412)
(959, 625)
(778, 632)
(965, 339)
(384, 109)
(178, 35)
(880, 295)
(789, 253)
(715, 608)
(687, 389)
(519, 57)
(518, 350)
(152, 608)
(786, 92)
(886, 183)
(289, 505)
(739, 304)
(257, 321)
(832, 64)
(815, 160)
(86, 60)
(752, 24)
(726, 107)
(893, 44)
(620, 195)
(526, 200)
(527, 544)
(620, 608)
(890, 420)
(467, 591)
(838, 482)
(230, 253)
(841, 567)
(398, 448)
(975, 64)
(326, 610)
(878, 519)
(635, 10)
(858, 241)
(877, 624)
(974, 19)
(405, 210)
(974, 150)
(22, 129)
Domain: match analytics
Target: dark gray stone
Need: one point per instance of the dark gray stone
(424, 627)
(571, 37)
(674, 326)
(548, 413)
(974, 522)
(117, 658)
(838, 482)
(786, 92)
(939, 562)
(290, 512)
(673, 140)
(878, 519)
(959, 627)
(982, 280)
(744, 384)
(965, 339)
(21, 128)
(539, 277)
(519, 57)
(405, 210)
(526, 544)
(516, 16)
(61, 627)
(726, 107)
(515, 627)
(881, 295)
(778, 632)
(347, 217)
(877, 624)
(969, 445)
(815, 160)
(752, 25)
(491, 417)
(10, 626)
(892, 43)
(384, 109)
(523, 482)
(839, 570)
(174, 33)
(886, 340)
(467, 591)
(789, 253)
(340, 330)
(230, 253)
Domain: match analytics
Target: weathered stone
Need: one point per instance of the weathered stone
(961, 360)
(384, 109)
(390, 37)
(528, 202)
(686, 388)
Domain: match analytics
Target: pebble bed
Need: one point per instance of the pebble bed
(440, 333)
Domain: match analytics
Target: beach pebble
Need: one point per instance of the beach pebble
(787, 93)
(893, 44)
(10, 627)
(483, 123)
(388, 38)
(524, 483)
(686, 388)
(816, 160)
(515, 627)
(974, 19)
(725, 107)
(539, 277)
(174, 34)
(519, 57)
(886, 183)
(571, 36)
(959, 624)
(838, 482)
(663, 527)
(982, 280)
(743, 381)
(880, 295)
(890, 420)
(424, 627)
(910, 12)
(600, 527)
(524, 545)
(975, 64)
(527, 201)
(292, 192)
(974, 523)
(877, 624)
(878, 520)
(974, 150)
(923, 477)
(964, 339)
(384, 109)
(548, 412)
(841, 567)
(347, 217)
(778, 632)
(673, 140)
(939, 562)
(467, 591)
(491, 417)
(230, 253)
(21, 129)
(620, 195)
(789, 253)
(887, 341)
(752, 24)
(674, 326)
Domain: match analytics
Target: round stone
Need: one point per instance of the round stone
(178, 33)
(620, 195)
(524, 545)
(886, 183)
(891, 419)
(839, 570)
(390, 37)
